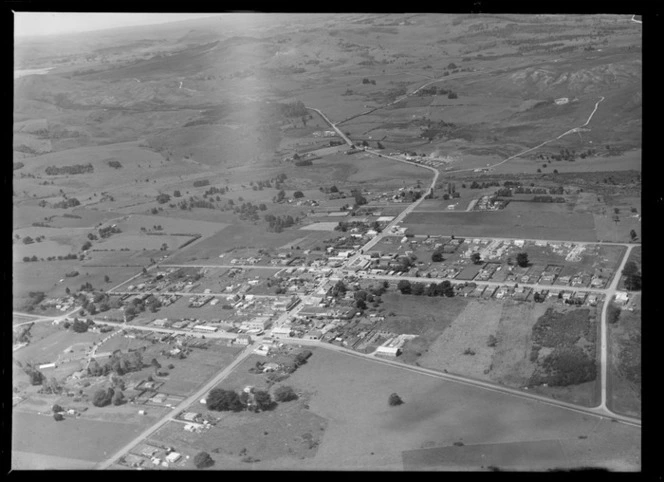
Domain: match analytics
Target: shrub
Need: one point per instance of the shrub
(394, 400)
(285, 394)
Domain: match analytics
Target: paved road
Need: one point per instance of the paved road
(387, 230)
(585, 243)
(610, 293)
(43, 319)
(243, 266)
(181, 406)
(189, 293)
(536, 286)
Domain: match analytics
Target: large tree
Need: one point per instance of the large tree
(224, 400)
(522, 259)
(476, 258)
(102, 397)
(394, 400)
(263, 400)
(202, 460)
(404, 287)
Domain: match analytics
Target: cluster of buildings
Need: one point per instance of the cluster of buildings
(150, 456)
(64, 303)
(489, 203)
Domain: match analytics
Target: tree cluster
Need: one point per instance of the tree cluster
(444, 288)
(119, 363)
(70, 170)
(278, 223)
(632, 276)
(71, 202)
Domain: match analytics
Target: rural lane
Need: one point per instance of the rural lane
(610, 293)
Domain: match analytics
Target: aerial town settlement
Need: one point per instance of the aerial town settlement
(329, 242)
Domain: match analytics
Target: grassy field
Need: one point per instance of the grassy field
(419, 315)
(50, 348)
(46, 277)
(364, 433)
(468, 331)
(625, 363)
(236, 236)
(609, 230)
(569, 227)
(72, 438)
(196, 369)
(510, 363)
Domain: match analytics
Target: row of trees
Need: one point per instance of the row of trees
(444, 288)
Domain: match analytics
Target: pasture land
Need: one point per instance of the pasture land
(235, 236)
(52, 348)
(367, 434)
(76, 438)
(553, 226)
(198, 367)
(463, 347)
(608, 229)
(45, 276)
(624, 381)
(424, 316)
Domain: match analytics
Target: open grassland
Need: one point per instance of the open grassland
(32, 461)
(198, 367)
(365, 433)
(419, 315)
(510, 363)
(569, 227)
(51, 348)
(276, 439)
(624, 384)
(75, 438)
(45, 276)
(235, 236)
(608, 229)
(463, 347)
